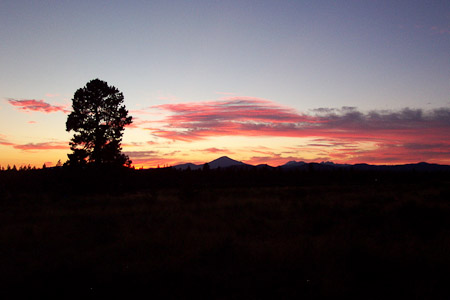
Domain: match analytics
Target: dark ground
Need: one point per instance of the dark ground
(228, 234)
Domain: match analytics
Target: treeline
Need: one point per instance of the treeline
(67, 181)
(14, 168)
(26, 167)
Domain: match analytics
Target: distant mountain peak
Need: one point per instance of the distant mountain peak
(187, 166)
(294, 163)
(224, 158)
(224, 162)
(221, 162)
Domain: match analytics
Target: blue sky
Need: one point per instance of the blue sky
(371, 55)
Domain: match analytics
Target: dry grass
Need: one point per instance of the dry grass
(366, 241)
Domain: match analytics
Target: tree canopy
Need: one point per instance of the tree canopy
(98, 118)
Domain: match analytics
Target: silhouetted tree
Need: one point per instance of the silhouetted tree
(98, 119)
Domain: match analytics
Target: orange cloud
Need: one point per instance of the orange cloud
(37, 105)
(152, 158)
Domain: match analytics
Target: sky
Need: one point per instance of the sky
(258, 81)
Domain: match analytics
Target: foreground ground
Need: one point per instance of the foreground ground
(367, 239)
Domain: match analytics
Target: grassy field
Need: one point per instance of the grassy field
(359, 239)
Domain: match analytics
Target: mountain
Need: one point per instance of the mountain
(293, 164)
(264, 166)
(188, 166)
(221, 162)
(225, 162)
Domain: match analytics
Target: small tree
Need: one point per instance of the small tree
(98, 119)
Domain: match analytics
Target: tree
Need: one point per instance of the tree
(98, 119)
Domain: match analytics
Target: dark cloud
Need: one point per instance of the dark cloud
(425, 146)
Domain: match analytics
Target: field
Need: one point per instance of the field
(228, 234)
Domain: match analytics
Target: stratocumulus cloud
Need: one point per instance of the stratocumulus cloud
(216, 150)
(42, 146)
(152, 158)
(341, 133)
(233, 116)
(37, 105)
(259, 117)
(4, 141)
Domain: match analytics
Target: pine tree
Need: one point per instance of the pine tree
(98, 119)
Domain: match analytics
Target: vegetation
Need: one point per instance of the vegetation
(98, 119)
(228, 233)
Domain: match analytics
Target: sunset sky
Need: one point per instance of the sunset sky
(258, 81)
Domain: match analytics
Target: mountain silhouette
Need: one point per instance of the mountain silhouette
(226, 162)
(221, 162)
(293, 164)
(188, 166)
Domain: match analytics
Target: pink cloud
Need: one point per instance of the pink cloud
(37, 105)
(138, 123)
(4, 141)
(237, 109)
(343, 128)
(233, 116)
(259, 117)
(216, 150)
(42, 146)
